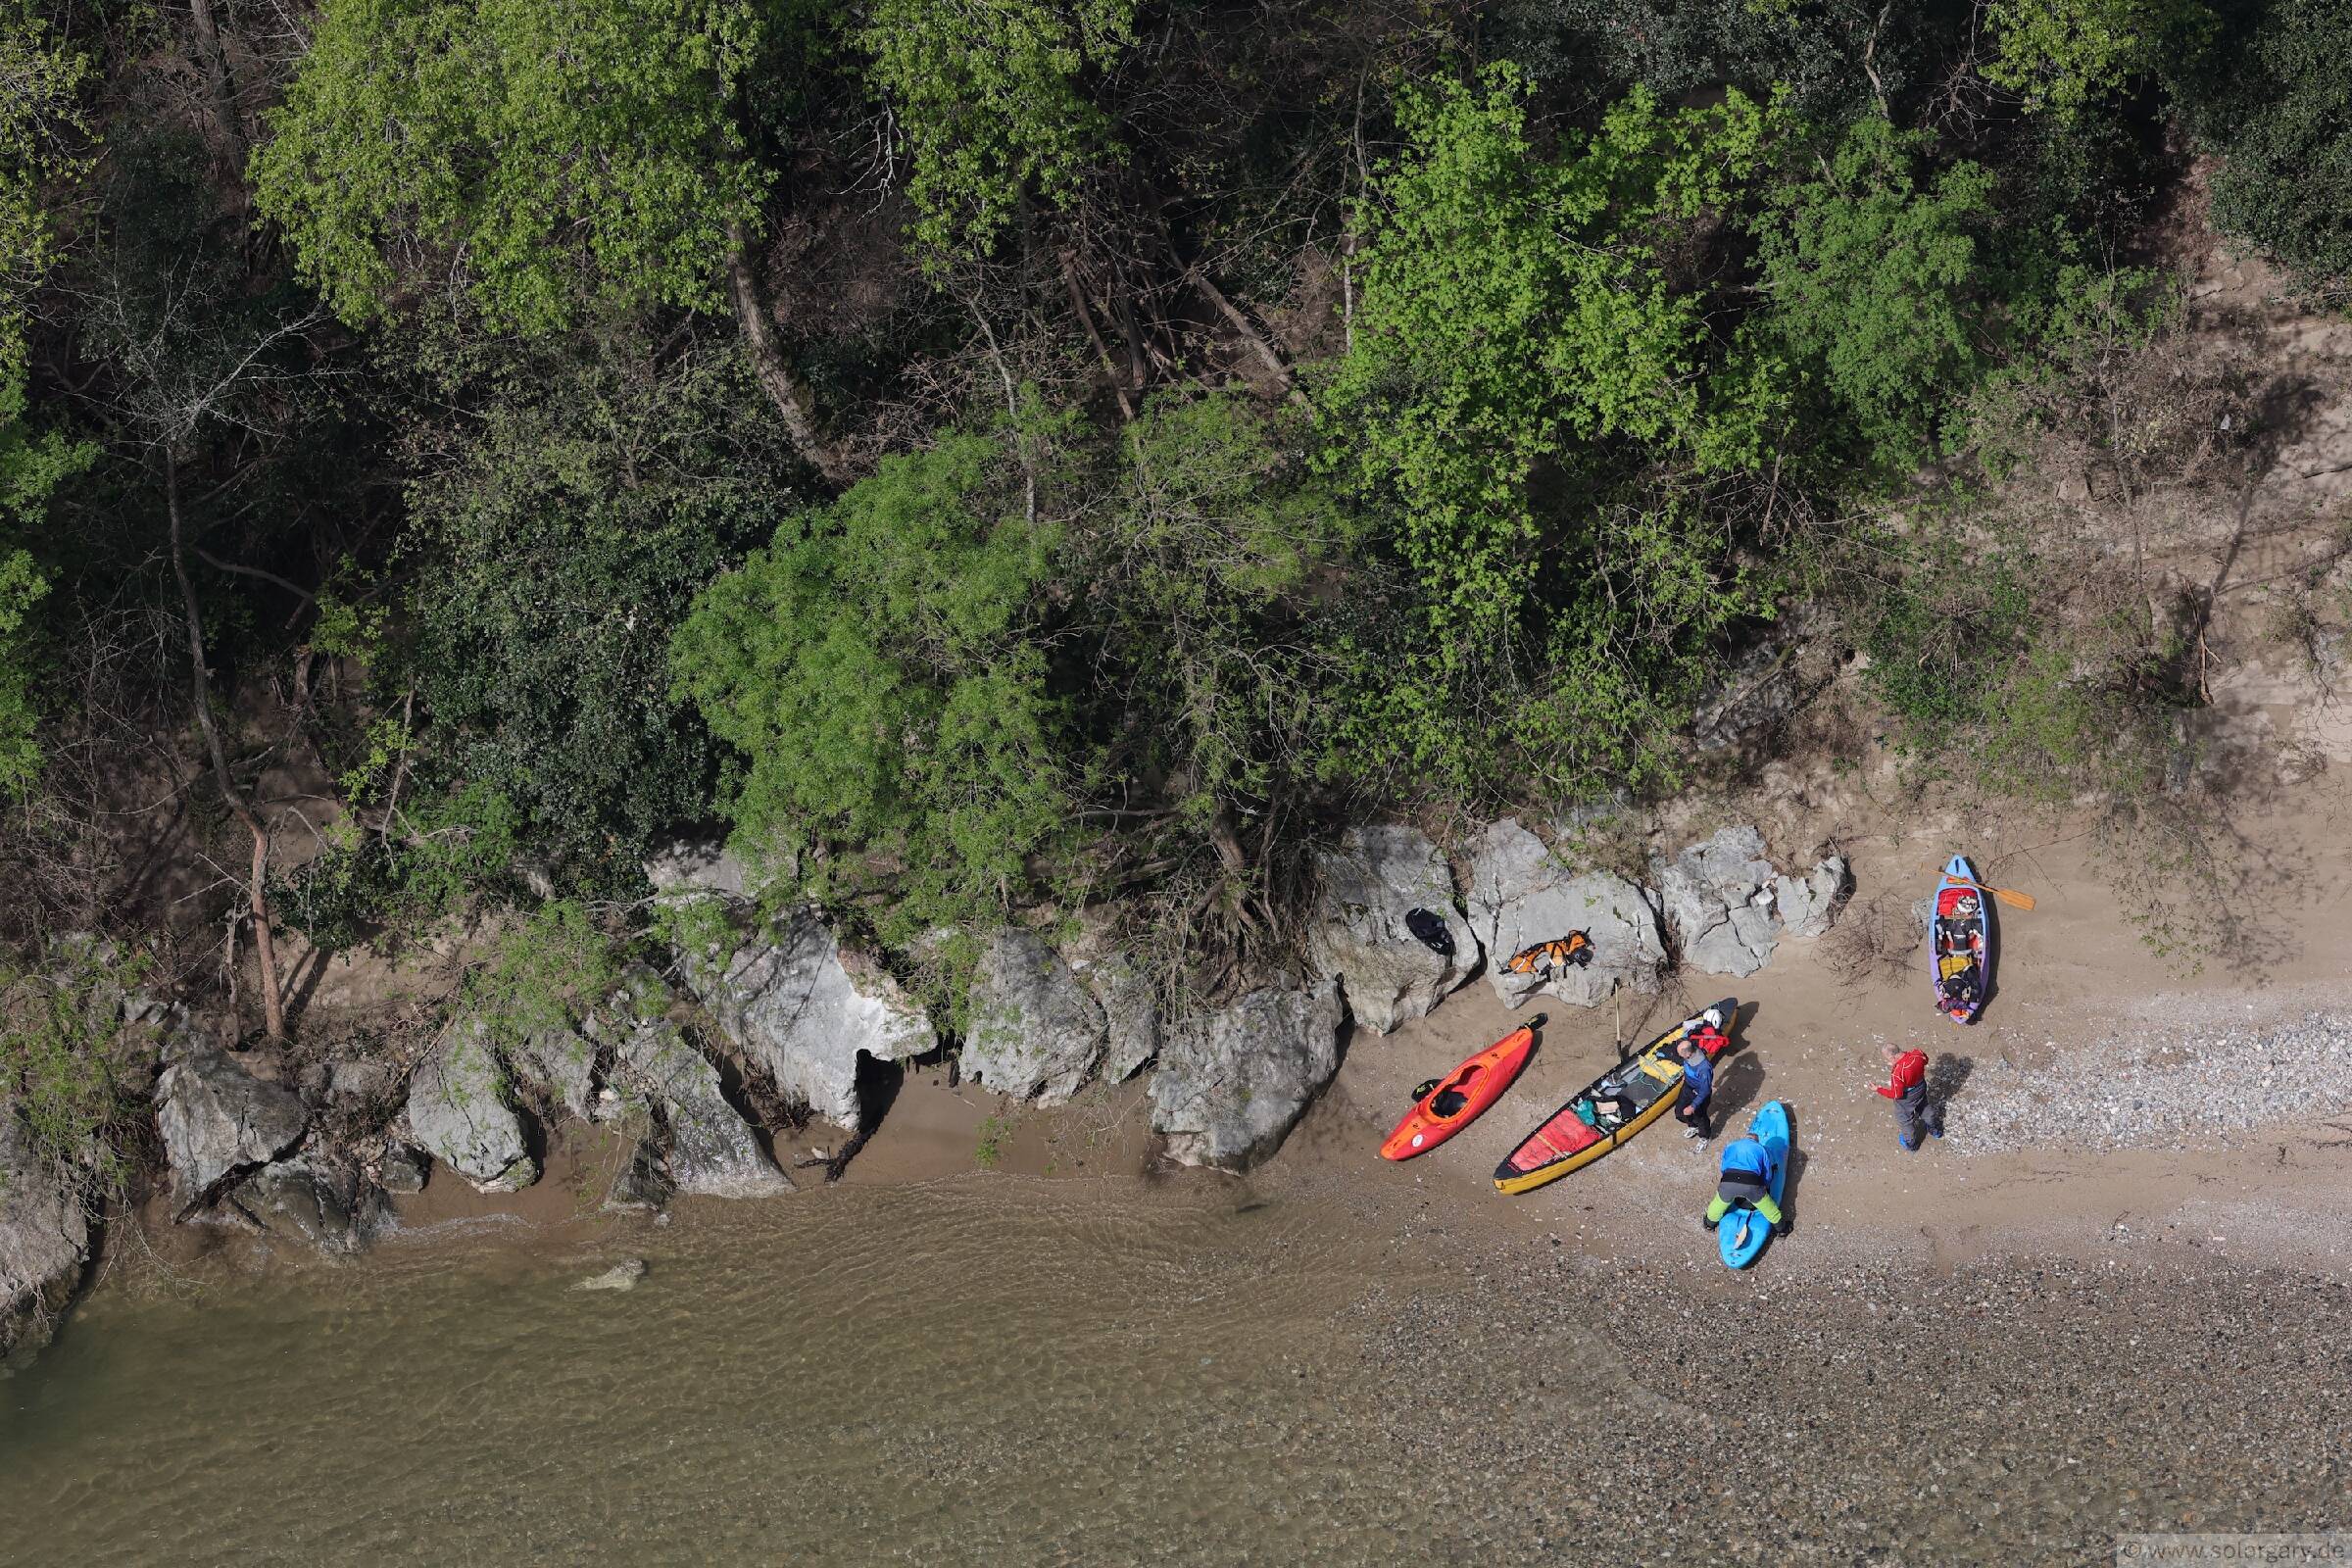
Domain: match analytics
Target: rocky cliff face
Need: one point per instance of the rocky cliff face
(220, 1121)
(1036, 1032)
(460, 1114)
(1521, 894)
(44, 1236)
(802, 1007)
(699, 1142)
(1232, 1083)
(1370, 883)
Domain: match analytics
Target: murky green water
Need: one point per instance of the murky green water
(1003, 1371)
(978, 1371)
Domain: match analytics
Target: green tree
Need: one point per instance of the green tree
(1526, 344)
(562, 153)
(1215, 574)
(879, 668)
(1873, 278)
(556, 546)
(41, 121)
(2063, 55)
(990, 99)
(2276, 106)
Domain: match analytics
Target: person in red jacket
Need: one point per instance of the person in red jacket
(1907, 1086)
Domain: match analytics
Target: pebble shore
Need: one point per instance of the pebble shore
(2150, 1087)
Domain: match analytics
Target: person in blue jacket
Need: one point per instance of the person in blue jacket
(1747, 1178)
(1698, 1083)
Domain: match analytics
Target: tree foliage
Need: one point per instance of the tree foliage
(1522, 348)
(991, 101)
(878, 667)
(1873, 276)
(568, 527)
(555, 153)
(2277, 108)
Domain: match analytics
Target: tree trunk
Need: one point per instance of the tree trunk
(1094, 335)
(1267, 354)
(264, 945)
(793, 400)
(213, 60)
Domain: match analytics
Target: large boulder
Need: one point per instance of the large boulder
(1232, 1083)
(320, 1199)
(802, 1007)
(1369, 882)
(1718, 900)
(1131, 1014)
(1521, 894)
(219, 1122)
(562, 1066)
(1808, 907)
(457, 1112)
(44, 1236)
(701, 1144)
(1035, 1031)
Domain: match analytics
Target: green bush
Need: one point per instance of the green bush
(2275, 104)
(878, 669)
(554, 550)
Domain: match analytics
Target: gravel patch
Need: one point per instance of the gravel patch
(2150, 1089)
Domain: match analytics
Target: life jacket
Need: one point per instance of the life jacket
(1575, 948)
(1746, 1157)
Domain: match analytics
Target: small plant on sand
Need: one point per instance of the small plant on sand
(991, 1150)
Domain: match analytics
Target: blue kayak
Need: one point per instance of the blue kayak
(1743, 1232)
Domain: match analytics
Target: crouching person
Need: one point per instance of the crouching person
(1746, 1178)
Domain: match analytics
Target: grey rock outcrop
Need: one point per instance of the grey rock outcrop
(457, 1112)
(1035, 1030)
(400, 1169)
(687, 867)
(1520, 894)
(319, 1198)
(701, 1144)
(1131, 1016)
(1808, 907)
(44, 1236)
(1232, 1083)
(1718, 902)
(1369, 881)
(220, 1121)
(560, 1064)
(800, 1007)
(1728, 908)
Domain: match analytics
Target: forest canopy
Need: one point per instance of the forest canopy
(987, 454)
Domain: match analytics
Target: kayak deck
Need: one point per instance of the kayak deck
(1614, 1107)
(1458, 1098)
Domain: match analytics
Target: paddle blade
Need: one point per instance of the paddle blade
(2014, 899)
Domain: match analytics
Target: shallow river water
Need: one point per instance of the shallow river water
(1000, 1370)
(1018, 1371)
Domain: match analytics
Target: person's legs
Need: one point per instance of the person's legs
(1691, 1113)
(1766, 1207)
(1717, 1208)
(1906, 1121)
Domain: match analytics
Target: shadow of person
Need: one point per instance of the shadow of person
(1737, 1082)
(1946, 1074)
(1798, 1160)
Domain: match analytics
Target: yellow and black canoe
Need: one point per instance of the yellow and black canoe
(1608, 1110)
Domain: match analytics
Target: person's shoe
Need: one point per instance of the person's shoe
(1906, 1145)
(1692, 1132)
(1782, 1229)
(1706, 1224)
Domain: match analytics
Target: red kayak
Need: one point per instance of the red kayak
(1454, 1100)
